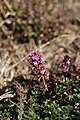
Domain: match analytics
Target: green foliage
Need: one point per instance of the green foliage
(8, 111)
(55, 98)
(18, 23)
(61, 103)
(33, 29)
(26, 20)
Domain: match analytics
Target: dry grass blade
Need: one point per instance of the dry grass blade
(9, 7)
(25, 58)
(15, 64)
(7, 95)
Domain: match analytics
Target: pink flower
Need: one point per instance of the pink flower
(36, 59)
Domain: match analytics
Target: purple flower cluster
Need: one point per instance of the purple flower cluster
(36, 59)
(65, 65)
(78, 72)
